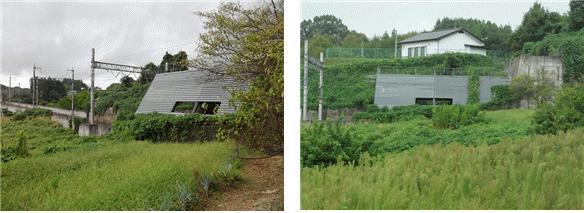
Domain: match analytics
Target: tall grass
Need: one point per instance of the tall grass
(110, 175)
(537, 172)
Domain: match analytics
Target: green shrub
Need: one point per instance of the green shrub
(31, 113)
(5, 112)
(455, 116)
(501, 98)
(566, 112)
(165, 127)
(326, 143)
(397, 113)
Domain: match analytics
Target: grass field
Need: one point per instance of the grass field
(536, 172)
(496, 164)
(100, 174)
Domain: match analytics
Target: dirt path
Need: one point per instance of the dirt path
(262, 188)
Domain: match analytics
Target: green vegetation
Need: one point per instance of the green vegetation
(31, 113)
(324, 143)
(501, 98)
(455, 116)
(123, 99)
(473, 88)
(569, 46)
(65, 172)
(397, 113)
(538, 172)
(352, 84)
(249, 43)
(164, 127)
(564, 113)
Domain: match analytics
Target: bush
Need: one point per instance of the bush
(473, 88)
(566, 112)
(5, 112)
(164, 127)
(31, 113)
(326, 143)
(397, 113)
(455, 116)
(502, 98)
(569, 46)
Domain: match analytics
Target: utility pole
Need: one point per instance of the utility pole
(320, 88)
(72, 97)
(9, 88)
(305, 97)
(19, 93)
(34, 87)
(362, 51)
(395, 47)
(165, 66)
(92, 90)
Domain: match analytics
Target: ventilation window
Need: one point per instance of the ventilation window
(183, 107)
(207, 108)
(430, 101)
(443, 101)
(424, 101)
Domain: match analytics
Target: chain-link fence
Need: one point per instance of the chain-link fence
(424, 70)
(390, 53)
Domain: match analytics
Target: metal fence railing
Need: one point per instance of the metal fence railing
(390, 53)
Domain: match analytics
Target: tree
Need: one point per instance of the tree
(537, 22)
(148, 73)
(318, 44)
(576, 15)
(327, 25)
(354, 40)
(127, 81)
(248, 45)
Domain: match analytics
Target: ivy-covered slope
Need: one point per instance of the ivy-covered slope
(352, 83)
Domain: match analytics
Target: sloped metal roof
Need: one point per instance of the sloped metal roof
(434, 35)
(188, 86)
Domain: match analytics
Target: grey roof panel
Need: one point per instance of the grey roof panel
(434, 35)
(187, 86)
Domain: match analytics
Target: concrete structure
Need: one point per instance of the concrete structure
(442, 41)
(399, 90)
(551, 67)
(62, 117)
(167, 90)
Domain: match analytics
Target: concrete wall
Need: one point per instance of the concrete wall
(399, 90)
(550, 66)
(85, 129)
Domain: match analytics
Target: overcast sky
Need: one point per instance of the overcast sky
(59, 35)
(374, 17)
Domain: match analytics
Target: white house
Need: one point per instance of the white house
(442, 41)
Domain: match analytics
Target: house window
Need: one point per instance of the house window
(416, 50)
(422, 51)
(410, 52)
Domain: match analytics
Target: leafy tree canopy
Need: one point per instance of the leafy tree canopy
(327, 25)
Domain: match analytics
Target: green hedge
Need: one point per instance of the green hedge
(502, 98)
(165, 127)
(31, 113)
(351, 83)
(397, 113)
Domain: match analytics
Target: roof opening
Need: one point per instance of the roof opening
(183, 107)
(207, 108)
